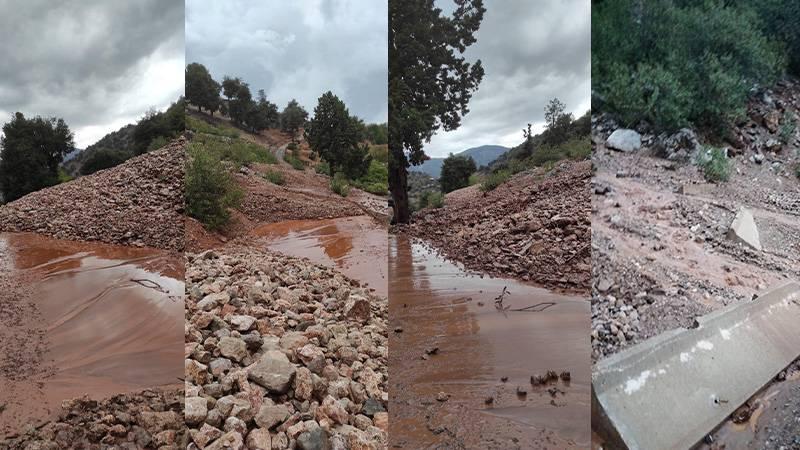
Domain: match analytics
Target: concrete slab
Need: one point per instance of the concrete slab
(670, 391)
(743, 229)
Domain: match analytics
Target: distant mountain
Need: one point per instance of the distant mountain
(482, 156)
(71, 155)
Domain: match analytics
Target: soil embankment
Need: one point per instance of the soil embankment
(535, 227)
(138, 203)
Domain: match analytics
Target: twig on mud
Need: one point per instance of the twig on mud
(154, 285)
(498, 303)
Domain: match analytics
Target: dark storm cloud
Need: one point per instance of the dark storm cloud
(97, 64)
(531, 51)
(297, 49)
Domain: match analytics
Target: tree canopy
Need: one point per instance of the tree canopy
(335, 136)
(455, 172)
(30, 153)
(293, 117)
(201, 89)
(430, 81)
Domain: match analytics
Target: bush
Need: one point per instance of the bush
(294, 161)
(275, 177)
(431, 199)
(210, 189)
(714, 164)
(475, 178)
(323, 168)
(576, 149)
(103, 159)
(340, 185)
(376, 180)
(495, 179)
(63, 176)
(680, 63)
(157, 143)
(788, 127)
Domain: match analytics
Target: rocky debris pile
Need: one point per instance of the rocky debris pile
(138, 203)
(535, 227)
(143, 420)
(282, 353)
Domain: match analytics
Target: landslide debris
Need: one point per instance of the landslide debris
(151, 418)
(282, 353)
(138, 203)
(535, 227)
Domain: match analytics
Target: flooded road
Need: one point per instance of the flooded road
(356, 246)
(111, 317)
(451, 342)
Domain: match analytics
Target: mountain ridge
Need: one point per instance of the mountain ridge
(482, 155)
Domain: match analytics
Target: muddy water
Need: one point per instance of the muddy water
(113, 319)
(438, 305)
(356, 246)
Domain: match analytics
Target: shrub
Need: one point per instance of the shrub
(210, 189)
(340, 185)
(714, 164)
(238, 151)
(431, 199)
(323, 168)
(577, 149)
(376, 180)
(275, 177)
(63, 176)
(201, 126)
(455, 172)
(788, 127)
(294, 161)
(103, 159)
(475, 178)
(495, 179)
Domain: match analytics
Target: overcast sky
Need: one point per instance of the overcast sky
(296, 49)
(532, 51)
(97, 64)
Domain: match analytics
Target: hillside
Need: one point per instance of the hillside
(120, 140)
(139, 203)
(482, 156)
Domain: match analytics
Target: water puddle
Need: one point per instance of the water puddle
(454, 340)
(112, 317)
(356, 246)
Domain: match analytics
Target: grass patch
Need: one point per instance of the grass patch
(431, 199)
(715, 165)
(275, 177)
(340, 185)
(788, 127)
(238, 151)
(323, 168)
(201, 126)
(376, 180)
(495, 179)
(294, 161)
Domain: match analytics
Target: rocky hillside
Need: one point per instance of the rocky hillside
(138, 203)
(282, 353)
(535, 227)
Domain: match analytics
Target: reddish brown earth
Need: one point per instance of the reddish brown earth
(534, 228)
(102, 319)
(138, 203)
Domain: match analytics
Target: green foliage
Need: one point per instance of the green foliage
(576, 148)
(154, 124)
(30, 153)
(340, 185)
(455, 172)
(431, 199)
(63, 176)
(293, 117)
(335, 136)
(680, 63)
(237, 151)
(788, 127)
(475, 178)
(103, 159)
(201, 126)
(201, 90)
(323, 168)
(275, 177)
(293, 158)
(430, 81)
(157, 143)
(377, 133)
(210, 189)
(376, 180)
(495, 179)
(714, 164)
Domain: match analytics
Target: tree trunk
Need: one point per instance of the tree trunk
(398, 184)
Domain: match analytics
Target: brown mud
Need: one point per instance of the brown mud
(452, 349)
(355, 246)
(108, 320)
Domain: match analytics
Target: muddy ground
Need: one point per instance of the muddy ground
(661, 251)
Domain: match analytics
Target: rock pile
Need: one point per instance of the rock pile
(146, 419)
(535, 227)
(138, 203)
(282, 353)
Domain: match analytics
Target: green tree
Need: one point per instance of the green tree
(552, 112)
(239, 99)
(430, 82)
(527, 146)
(262, 114)
(210, 189)
(30, 153)
(377, 133)
(154, 124)
(334, 135)
(103, 159)
(293, 117)
(455, 172)
(201, 90)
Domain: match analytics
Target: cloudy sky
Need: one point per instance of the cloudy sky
(97, 64)
(296, 49)
(532, 51)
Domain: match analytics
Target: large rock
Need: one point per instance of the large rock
(196, 410)
(624, 140)
(273, 371)
(233, 348)
(743, 229)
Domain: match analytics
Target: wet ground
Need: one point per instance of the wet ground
(448, 337)
(111, 317)
(356, 246)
